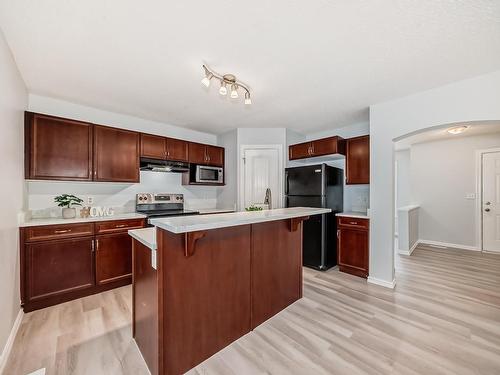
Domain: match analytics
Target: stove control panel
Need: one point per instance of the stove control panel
(150, 198)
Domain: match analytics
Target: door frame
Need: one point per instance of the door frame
(479, 194)
(241, 169)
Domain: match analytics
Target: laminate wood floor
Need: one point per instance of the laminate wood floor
(442, 318)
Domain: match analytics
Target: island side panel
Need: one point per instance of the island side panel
(205, 296)
(145, 305)
(276, 268)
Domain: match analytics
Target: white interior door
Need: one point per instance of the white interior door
(261, 170)
(491, 201)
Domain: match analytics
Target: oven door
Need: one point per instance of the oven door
(209, 174)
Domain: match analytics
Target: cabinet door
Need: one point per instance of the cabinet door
(358, 160)
(299, 151)
(353, 250)
(113, 257)
(116, 155)
(328, 146)
(177, 150)
(215, 156)
(153, 146)
(197, 153)
(58, 267)
(57, 149)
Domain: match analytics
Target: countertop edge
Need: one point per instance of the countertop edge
(208, 226)
(357, 215)
(61, 221)
(138, 234)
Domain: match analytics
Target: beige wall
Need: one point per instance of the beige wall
(12, 105)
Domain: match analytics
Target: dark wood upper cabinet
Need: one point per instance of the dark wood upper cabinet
(215, 156)
(177, 150)
(206, 154)
(197, 154)
(57, 148)
(113, 257)
(58, 267)
(319, 147)
(358, 160)
(153, 146)
(353, 246)
(299, 151)
(116, 155)
(328, 146)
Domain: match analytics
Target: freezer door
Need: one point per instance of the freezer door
(305, 180)
(305, 201)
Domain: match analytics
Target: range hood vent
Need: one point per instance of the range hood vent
(155, 165)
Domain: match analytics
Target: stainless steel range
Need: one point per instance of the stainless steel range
(161, 205)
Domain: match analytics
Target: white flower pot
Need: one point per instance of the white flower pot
(69, 213)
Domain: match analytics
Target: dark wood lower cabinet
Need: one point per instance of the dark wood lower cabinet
(113, 258)
(353, 245)
(275, 255)
(145, 305)
(59, 267)
(63, 262)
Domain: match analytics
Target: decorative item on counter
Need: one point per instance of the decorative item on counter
(99, 211)
(85, 212)
(66, 201)
(253, 208)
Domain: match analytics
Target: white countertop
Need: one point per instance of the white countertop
(357, 215)
(146, 236)
(184, 224)
(60, 220)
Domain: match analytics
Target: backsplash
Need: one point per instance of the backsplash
(120, 196)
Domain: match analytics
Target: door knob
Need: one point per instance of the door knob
(487, 209)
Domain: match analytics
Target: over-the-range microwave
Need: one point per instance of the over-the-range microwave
(209, 174)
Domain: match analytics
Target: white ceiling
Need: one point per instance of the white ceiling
(311, 65)
(441, 133)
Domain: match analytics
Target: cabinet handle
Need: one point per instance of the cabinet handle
(120, 226)
(62, 231)
(338, 233)
(97, 245)
(93, 249)
(353, 222)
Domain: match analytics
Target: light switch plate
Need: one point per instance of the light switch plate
(470, 196)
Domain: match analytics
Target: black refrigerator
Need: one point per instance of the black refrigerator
(317, 186)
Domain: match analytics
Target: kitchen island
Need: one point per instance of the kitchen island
(212, 279)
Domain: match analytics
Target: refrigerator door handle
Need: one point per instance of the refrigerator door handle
(286, 183)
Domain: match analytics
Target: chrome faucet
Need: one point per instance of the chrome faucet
(268, 199)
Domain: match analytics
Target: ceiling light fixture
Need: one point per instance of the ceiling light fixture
(226, 80)
(457, 129)
(234, 91)
(223, 89)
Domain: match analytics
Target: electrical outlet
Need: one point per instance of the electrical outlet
(90, 201)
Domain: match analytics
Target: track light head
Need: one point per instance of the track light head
(234, 91)
(223, 89)
(248, 100)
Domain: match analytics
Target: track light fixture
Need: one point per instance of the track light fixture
(225, 81)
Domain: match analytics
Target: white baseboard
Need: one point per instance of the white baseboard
(408, 252)
(386, 284)
(447, 244)
(10, 340)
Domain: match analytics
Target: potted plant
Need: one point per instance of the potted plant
(66, 201)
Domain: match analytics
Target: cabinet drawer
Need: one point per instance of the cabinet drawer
(353, 222)
(50, 232)
(118, 225)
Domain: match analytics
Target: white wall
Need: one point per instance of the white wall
(442, 174)
(227, 196)
(12, 105)
(474, 99)
(403, 196)
(119, 196)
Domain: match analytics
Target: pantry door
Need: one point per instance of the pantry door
(261, 168)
